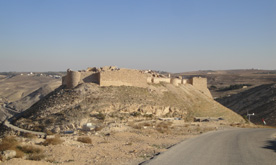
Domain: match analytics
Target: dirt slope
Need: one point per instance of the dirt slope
(18, 93)
(88, 103)
(260, 100)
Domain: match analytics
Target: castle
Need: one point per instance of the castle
(113, 76)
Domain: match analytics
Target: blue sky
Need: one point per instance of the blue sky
(167, 35)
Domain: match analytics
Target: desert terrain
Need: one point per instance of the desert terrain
(243, 91)
(116, 125)
(20, 90)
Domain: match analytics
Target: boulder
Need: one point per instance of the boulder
(8, 154)
(56, 130)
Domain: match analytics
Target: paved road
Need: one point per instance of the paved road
(227, 147)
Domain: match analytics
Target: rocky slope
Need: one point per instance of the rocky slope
(260, 100)
(19, 92)
(12, 108)
(65, 109)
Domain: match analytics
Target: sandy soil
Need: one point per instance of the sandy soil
(117, 145)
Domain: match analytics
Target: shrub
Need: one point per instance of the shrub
(245, 118)
(29, 149)
(53, 141)
(135, 114)
(84, 139)
(36, 156)
(29, 135)
(148, 115)
(135, 126)
(147, 124)
(34, 153)
(48, 132)
(98, 128)
(213, 87)
(10, 143)
(99, 116)
(139, 125)
(164, 127)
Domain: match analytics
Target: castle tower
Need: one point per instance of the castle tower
(72, 78)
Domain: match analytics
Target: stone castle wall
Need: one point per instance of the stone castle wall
(157, 80)
(127, 77)
(200, 84)
(176, 81)
(90, 77)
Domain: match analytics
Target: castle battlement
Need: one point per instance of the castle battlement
(113, 76)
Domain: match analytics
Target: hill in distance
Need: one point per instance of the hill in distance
(223, 83)
(260, 100)
(19, 92)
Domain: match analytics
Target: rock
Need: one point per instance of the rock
(166, 110)
(50, 136)
(56, 130)
(8, 154)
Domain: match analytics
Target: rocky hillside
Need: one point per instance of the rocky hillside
(70, 109)
(18, 93)
(12, 108)
(260, 100)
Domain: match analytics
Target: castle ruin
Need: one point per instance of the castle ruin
(113, 76)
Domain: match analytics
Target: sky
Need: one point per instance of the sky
(164, 35)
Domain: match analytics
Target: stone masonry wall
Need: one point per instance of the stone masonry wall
(200, 84)
(90, 77)
(176, 81)
(157, 80)
(128, 77)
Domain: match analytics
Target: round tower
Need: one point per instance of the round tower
(72, 78)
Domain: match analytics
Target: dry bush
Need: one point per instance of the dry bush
(135, 126)
(147, 124)
(10, 143)
(98, 128)
(29, 135)
(99, 116)
(135, 114)
(139, 125)
(84, 139)
(129, 143)
(164, 127)
(19, 154)
(148, 116)
(53, 141)
(36, 156)
(29, 149)
(34, 153)
(48, 132)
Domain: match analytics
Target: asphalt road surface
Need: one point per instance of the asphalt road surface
(228, 147)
